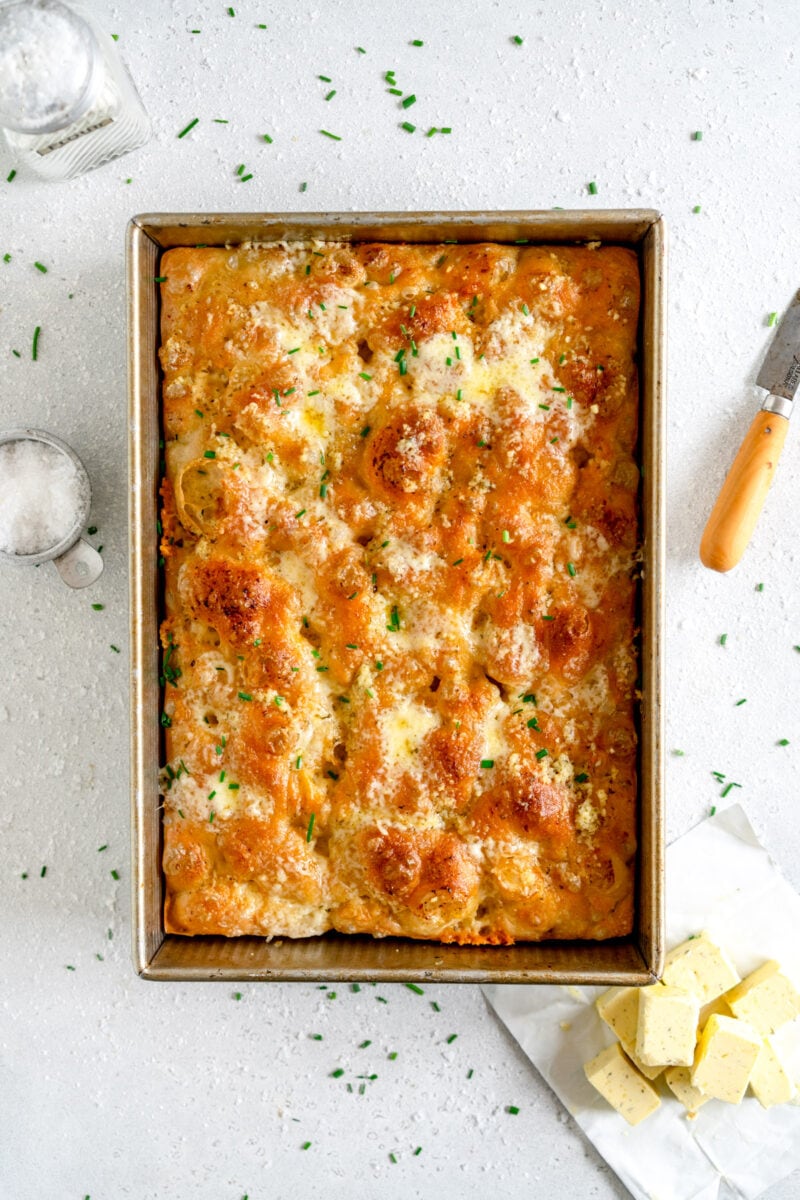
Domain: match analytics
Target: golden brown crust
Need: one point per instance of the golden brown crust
(399, 531)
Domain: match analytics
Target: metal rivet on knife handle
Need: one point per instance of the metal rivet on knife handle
(739, 504)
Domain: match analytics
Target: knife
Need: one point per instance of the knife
(733, 517)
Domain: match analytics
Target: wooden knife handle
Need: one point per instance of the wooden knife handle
(733, 517)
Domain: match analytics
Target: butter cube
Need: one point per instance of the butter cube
(667, 1029)
(718, 1006)
(767, 999)
(701, 967)
(619, 1008)
(770, 1081)
(618, 1082)
(679, 1081)
(725, 1056)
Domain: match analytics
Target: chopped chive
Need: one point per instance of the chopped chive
(365, 431)
(305, 1145)
(231, 12)
(512, 1108)
(697, 209)
(221, 121)
(267, 138)
(408, 101)
(772, 318)
(723, 638)
(10, 176)
(392, 1157)
(355, 987)
(114, 874)
(759, 587)
(697, 136)
(334, 137)
(540, 754)
(451, 1039)
(592, 188)
(43, 872)
(363, 1045)
(739, 703)
(209, 454)
(115, 648)
(300, 514)
(41, 267)
(392, 1056)
(332, 775)
(470, 1073)
(506, 536)
(337, 1074)
(417, 42)
(310, 830)
(456, 562)
(487, 763)
(364, 375)
(517, 40)
(445, 129)
(783, 742)
(190, 126)
(245, 696)
(571, 569)
(361, 50)
(728, 787)
(679, 753)
(414, 987)
(534, 724)
(409, 128)
(35, 344)
(331, 94)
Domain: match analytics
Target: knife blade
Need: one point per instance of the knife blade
(780, 370)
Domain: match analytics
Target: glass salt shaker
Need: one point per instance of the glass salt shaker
(67, 103)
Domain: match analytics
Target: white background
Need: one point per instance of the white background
(112, 1087)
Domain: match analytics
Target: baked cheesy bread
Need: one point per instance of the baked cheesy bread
(400, 539)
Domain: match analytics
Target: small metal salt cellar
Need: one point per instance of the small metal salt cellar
(67, 103)
(78, 563)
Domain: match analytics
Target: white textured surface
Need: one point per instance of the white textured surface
(118, 1088)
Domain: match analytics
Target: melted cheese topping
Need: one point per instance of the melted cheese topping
(400, 534)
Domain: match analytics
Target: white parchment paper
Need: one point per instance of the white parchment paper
(719, 878)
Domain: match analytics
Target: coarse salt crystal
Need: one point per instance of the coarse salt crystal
(42, 496)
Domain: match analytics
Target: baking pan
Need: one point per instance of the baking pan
(636, 959)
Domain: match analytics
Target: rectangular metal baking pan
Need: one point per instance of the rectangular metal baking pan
(633, 960)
